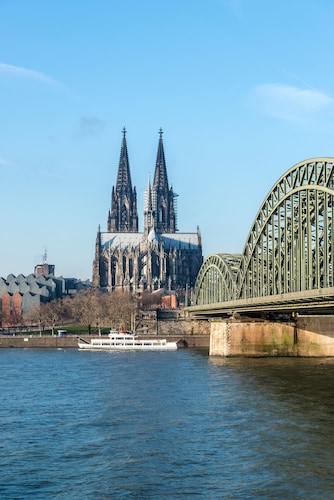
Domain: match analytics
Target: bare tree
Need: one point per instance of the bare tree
(149, 300)
(87, 309)
(36, 317)
(119, 309)
(91, 308)
(52, 314)
(66, 309)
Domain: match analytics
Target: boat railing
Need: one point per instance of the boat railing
(83, 340)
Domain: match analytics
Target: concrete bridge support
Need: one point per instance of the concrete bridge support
(306, 336)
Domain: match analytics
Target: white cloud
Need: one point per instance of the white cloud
(17, 71)
(49, 173)
(236, 7)
(4, 163)
(90, 126)
(290, 103)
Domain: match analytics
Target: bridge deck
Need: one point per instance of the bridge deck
(321, 300)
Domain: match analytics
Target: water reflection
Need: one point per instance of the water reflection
(302, 382)
(165, 425)
(286, 420)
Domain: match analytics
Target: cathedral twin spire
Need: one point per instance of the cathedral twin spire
(159, 212)
(123, 215)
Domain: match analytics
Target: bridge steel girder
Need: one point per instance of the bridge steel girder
(215, 281)
(289, 246)
(311, 302)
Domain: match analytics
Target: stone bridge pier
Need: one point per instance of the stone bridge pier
(309, 335)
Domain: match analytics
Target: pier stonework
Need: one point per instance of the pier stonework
(315, 335)
(235, 338)
(309, 336)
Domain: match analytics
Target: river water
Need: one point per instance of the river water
(150, 425)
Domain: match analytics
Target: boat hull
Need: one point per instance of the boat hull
(169, 346)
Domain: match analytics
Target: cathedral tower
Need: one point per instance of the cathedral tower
(123, 216)
(162, 196)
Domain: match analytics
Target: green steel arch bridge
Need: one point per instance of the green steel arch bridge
(287, 261)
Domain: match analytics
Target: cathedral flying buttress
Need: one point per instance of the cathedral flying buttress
(158, 257)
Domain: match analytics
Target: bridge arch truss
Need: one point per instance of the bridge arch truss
(216, 280)
(290, 245)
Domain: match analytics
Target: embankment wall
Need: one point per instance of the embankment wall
(35, 341)
(196, 333)
(308, 336)
(189, 333)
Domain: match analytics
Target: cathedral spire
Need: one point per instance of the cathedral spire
(160, 174)
(148, 208)
(123, 215)
(162, 196)
(123, 176)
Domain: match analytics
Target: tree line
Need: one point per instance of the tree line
(91, 308)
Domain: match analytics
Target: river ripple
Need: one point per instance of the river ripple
(99, 425)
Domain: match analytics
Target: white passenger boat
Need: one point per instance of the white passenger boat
(122, 341)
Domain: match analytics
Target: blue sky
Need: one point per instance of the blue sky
(243, 90)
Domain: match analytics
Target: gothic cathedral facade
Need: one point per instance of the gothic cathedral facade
(159, 256)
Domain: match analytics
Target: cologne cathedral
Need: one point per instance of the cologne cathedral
(160, 256)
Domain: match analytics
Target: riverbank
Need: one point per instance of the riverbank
(71, 341)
